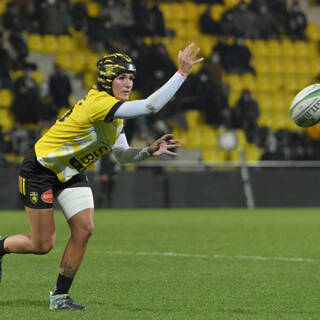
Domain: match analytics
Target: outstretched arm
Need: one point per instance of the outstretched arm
(156, 101)
(125, 154)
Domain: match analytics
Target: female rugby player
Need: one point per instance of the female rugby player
(53, 168)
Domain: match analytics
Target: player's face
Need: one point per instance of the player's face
(122, 86)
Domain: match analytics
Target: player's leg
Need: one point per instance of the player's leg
(77, 206)
(40, 240)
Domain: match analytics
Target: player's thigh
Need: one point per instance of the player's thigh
(42, 228)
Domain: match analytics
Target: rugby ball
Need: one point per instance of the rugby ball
(305, 106)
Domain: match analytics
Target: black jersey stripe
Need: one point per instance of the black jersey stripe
(110, 115)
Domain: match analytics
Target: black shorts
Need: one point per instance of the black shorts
(38, 184)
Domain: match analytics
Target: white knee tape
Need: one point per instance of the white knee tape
(74, 200)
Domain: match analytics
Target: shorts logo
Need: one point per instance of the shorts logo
(34, 197)
(47, 196)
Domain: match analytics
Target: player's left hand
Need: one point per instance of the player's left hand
(163, 145)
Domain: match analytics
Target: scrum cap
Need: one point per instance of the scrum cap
(110, 66)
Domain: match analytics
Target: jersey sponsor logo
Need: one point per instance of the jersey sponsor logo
(94, 156)
(88, 159)
(47, 196)
(34, 197)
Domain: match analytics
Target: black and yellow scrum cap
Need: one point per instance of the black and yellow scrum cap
(110, 66)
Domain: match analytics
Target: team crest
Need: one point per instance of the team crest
(34, 197)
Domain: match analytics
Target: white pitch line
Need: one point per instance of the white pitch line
(206, 256)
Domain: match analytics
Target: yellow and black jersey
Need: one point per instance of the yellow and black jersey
(81, 136)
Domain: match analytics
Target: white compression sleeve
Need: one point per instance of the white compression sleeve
(154, 103)
(124, 153)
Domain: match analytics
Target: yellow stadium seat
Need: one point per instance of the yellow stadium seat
(35, 42)
(287, 49)
(248, 81)
(213, 155)
(259, 48)
(253, 153)
(312, 31)
(234, 80)
(193, 139)
(6, 98)
(78, 62)
(241, 138)
(234, 96)
(89, 79)
(261, 65)
(314, 66)
(166, 11)
(91, 61)
(279, 102)
(304, 80)
(193, 118)
(290, 84)
(289, 66)
(266, 119)
(301, 49)
(209, 137)
(216, 12)
(228, 4)
(65, 43)
(265, 102)
(302, 66)
(49, 44)
(3, 6)
(7, 120)
(64, 60)
(93, 9)
(263, 84)
(191, 11)
(275, 66)
(206, 43)
(38, 76)
(179, 13)
(312, 49)
(273, 48)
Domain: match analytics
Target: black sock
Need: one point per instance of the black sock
(63, 285)
(3, 251)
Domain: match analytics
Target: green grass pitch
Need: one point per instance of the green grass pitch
(176, 264)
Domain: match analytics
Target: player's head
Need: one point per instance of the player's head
(111, 66)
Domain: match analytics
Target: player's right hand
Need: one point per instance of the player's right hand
(186, 59)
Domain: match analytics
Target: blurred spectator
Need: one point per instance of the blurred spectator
(26, 104)
(212, 96)
(241, 56)
(103, 34)
(18, 50)
(224, 51)
(296, 22)
(11, 18)
(239, 22)
(266, 24)
(121, 17)
(79, 16)
(59, 88)
(234, 58)
(158, 65)
(149, 21)
(207, 24)
(5, 65)
(55, 17)
(245, 115)
(19, 139)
